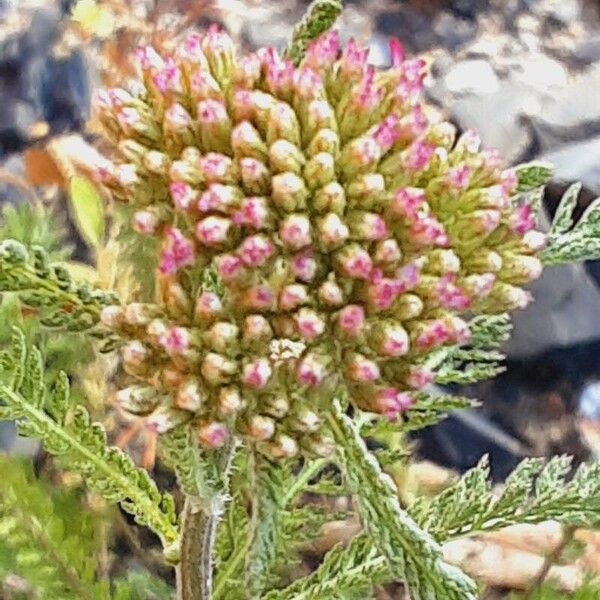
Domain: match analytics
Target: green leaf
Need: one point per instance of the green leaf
(563, 219)
(532, 175)
(535, 491)
(79, 443)
(87, 210)
(319, 18)
(567, 243)
(412, 555)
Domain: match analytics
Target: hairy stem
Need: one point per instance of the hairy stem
(199, 521)
(194, 572)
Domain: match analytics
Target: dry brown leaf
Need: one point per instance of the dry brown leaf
(41, 169)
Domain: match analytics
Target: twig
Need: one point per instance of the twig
(551, 559)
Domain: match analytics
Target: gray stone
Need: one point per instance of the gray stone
(453, 32)
(573, 113)
(588, 49)
(566, 311)
(578, 162)
(472, 77)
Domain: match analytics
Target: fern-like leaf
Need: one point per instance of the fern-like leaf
(535, 491)
(49, 288)
(42, 541)
(568, 243)
(319, 18)
(480, 359)
(412, 555)
(79, 443)
(344, 570)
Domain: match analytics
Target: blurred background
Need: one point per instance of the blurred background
(524, 73)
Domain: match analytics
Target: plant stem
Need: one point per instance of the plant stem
(194, 572)
(199, 520)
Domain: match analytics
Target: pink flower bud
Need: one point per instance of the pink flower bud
(449, 295)
(112, 316)
(289, 192)
(144, 222)
(261, 428)
(256, 250)
(361, 369)
(333, 232)
(396, 52)
(408, 202)
(367, 226)
(418, 156)
(229, 267)
(431, 333)
(387, 252)
(331, 294)
(322, 52)
(216, 369)
(256, 327)
(458, 177)
(176, 341)
(256, 374)
(208, 306)
(479, 286)
(177, 119)
(168, 78)
(304, 265)
(254, 212)
(309, 324)
(218, 197)
(183, 195)
(177, 252)
(311, 371)
(135, 353)
(354, 262)
(392, 340)
(295, 231)
(247, 142)
(419, 377)
(217, 168)
(214, 231)
(213, 435)
(189, 395)
(351, 319)
(293, 296)
(260, 298)
(353, 60)
(230, 401)
(222, 336)
(522, 220)
(391, 402)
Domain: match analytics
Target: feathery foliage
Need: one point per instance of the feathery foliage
(66, 431)
(533, 175)
(569, 242)
(477, 361)
(411, 553)
(46, 537)
(49, 288)
(535, 491)
(319, 18)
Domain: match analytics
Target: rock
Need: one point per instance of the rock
(472, 76)
(588, 49)
(579, 161)
(453, 32)
(565, 313)
(571, 114)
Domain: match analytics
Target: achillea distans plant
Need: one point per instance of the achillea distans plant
(352, 234)
(326, 249)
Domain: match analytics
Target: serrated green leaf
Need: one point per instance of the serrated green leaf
(87, 210)
(533, 175)
(563, 219)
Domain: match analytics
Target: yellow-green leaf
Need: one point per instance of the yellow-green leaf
(87, 210)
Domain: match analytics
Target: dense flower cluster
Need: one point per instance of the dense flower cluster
(350, 231)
